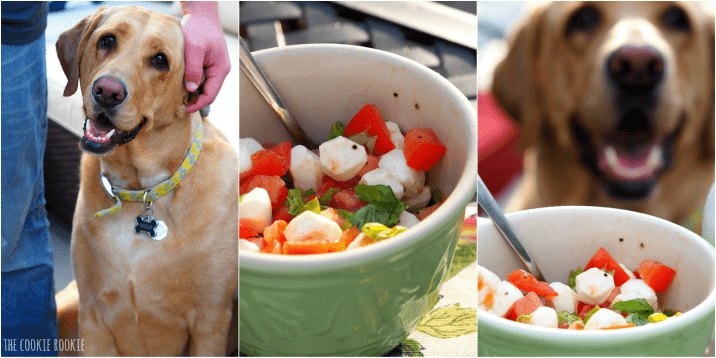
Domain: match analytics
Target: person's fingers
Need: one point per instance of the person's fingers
(215, 75)
(193, 64)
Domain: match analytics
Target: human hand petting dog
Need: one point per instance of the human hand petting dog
(204, 48)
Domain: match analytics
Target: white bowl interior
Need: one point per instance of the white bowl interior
(564, 238)
(322, 84)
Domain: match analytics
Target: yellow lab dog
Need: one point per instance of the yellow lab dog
(155, 256)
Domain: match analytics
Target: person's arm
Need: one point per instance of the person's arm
(204, 48)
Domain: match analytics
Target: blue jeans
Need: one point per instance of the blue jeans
(28, 304)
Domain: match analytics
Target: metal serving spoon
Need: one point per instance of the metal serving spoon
(488, 203)
(263, 85)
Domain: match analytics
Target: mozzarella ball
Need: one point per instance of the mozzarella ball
(544, 317)
(407, 219)
(251, 145)
(255, 207)
(342, 158)
(412, 180)
(505, 295)
(594, 286)
(247, 245)
(245, 163)
(305, 168)
(566, 299)
(383, 177)
(419, 201)
(605, 318)
(629, 272)
(487, 283)
(636, 288)
(309, 226)
(395, 135)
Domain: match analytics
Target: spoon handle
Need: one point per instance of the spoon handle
(488, 203)
(262, 84)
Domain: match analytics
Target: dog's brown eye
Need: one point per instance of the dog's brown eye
(585, 19)
(675, 18)
(107, 42)
(160, 62)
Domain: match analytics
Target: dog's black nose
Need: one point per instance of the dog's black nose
(636, 70)
(108, 91)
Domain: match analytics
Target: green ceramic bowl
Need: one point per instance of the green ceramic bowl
(563, 238)
(367, 301)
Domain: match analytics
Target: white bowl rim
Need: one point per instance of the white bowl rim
(462, 194)
(567, 336)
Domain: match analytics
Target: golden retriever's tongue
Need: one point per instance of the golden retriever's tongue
(96, 133)
(623, 165)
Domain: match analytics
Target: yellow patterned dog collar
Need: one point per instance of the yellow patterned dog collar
(163, 188)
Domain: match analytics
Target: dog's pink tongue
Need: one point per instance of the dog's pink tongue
(96, 134)
(631, 165)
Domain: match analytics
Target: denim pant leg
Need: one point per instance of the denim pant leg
(28, 306)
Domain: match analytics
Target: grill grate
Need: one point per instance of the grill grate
(265, 24)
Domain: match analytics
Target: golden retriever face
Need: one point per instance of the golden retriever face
(629, 85)
(130, 66)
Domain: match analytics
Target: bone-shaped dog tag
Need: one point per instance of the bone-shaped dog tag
(155, 229)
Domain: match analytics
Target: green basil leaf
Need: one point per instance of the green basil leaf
(294, 201)
(637, 306)
(326, 198)
(383, 207)
(336, 130)
(566, 317)
(573, 277)
(636, 319)
(348, 217)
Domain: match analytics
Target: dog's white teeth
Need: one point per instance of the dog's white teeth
(612, 158)
(110, 133)
(655, 157)
(87, 123)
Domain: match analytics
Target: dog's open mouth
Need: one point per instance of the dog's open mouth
(101, 136)
(627, 162)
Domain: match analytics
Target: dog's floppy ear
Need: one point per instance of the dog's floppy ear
(514, 85)
(708, 132)
(70, 47)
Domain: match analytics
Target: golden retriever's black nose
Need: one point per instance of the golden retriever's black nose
(636, 70)
(108, 91)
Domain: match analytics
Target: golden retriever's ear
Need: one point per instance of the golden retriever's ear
(514, 84)
(70, 47)
(708, 132)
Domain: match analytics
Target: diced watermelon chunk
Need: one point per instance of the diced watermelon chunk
(657, 275)
(603, 261)
(347, 199)
(369, 119)
(274, 185)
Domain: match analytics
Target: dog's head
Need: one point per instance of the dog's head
(628, 85)
(129, 63)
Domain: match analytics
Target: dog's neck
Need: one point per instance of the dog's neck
(150, 159)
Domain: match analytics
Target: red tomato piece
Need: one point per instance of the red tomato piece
(267, 162)
(422, 148)
(283, 150)
(525, 305)
(609, 300)
(282, 214)
(372, 164)
(250, 228)
(657, 275)
(526, 282)
(274, 232)
(603, 261)
(273, 247)
(274, 185)
(308, 247)
(246, 231)
(347, 199)
(583, 309)
(424, 213)
(369, 119)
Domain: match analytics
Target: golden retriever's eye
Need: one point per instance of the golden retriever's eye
(675, 18)
(160, 62)
(107, 42)
(585, 19)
